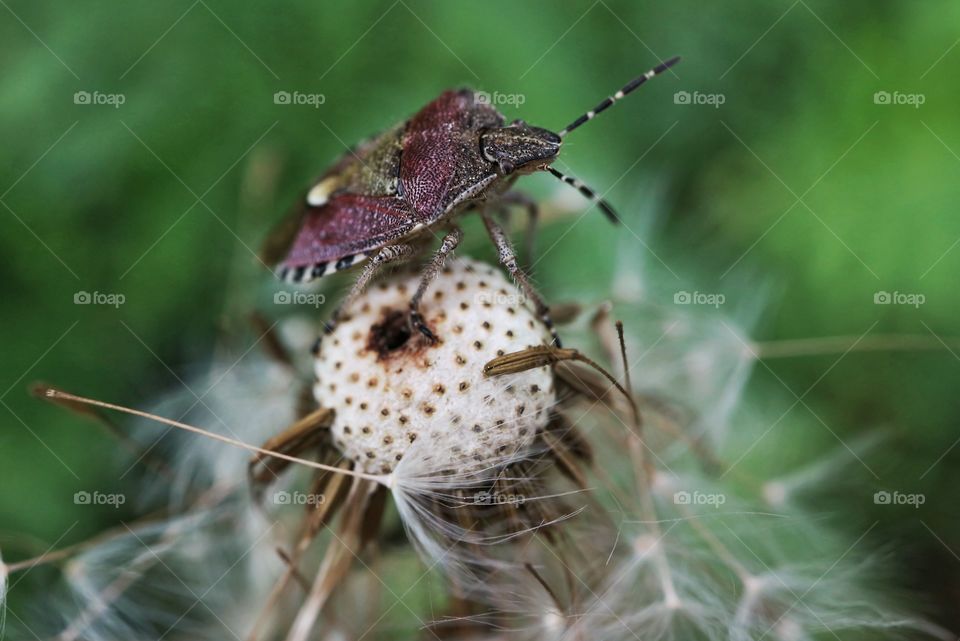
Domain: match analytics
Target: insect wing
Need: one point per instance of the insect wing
(331, 237)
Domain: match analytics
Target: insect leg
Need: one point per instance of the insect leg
(447, 245)
(509, 260)
(533, 212)
(386, 255)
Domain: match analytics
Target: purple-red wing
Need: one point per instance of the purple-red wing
(347, 224)
(429, 152)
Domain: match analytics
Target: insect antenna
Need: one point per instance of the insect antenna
(627, 88)
(588, 193)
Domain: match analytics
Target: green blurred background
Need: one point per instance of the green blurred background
(803, 179)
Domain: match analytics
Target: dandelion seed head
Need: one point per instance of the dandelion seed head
(775, 493)
(644, 544)
(390, 387)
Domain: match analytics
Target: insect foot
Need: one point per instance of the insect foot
(392, 389)
(417, 323)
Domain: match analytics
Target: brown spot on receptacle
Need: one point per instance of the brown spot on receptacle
(371, 455)
(477, 345)
(373, 382)
(439, 389)
(411, 436)
(406, 393)
(338, 365)
(456, 420)
(392, 335)
(534, 388)
(487, 304)
(384, 412)
(521, 409)
(509, 333)
(428, 409)
(458, 329)
(403, 419)
(511, 310)
(530, 324)
(387, 440)
(486, 325)
(332, 387)
(402, 288)
(477, 429)
(348, 400)
(347, 429)
(365, 308)
(354, 377)
(366, 429)
(464, 306)
(482, 283)
(398, 457)
(463, 386)
(363, 405)
(356, 335)
(438, 294)
(460, 360)
(461, 285)
(500, 352)
(499, 422)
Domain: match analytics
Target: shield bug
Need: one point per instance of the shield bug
(385, 199)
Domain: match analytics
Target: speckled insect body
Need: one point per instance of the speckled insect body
(381, 201)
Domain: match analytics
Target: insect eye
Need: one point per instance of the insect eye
(506, 167)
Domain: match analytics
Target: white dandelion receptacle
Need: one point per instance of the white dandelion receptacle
(390, 389)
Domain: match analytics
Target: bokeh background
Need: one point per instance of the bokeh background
(808, 164)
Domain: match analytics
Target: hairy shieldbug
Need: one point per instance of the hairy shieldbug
(382, 200)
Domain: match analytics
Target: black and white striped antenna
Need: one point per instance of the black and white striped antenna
(626, 90)
(588, 193)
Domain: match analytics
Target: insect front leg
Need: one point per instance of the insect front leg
(520, 199)
(509, 260)
(447, 245)
(389, 254)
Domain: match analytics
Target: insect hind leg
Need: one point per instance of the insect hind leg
(509, 260)
(447, 245)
